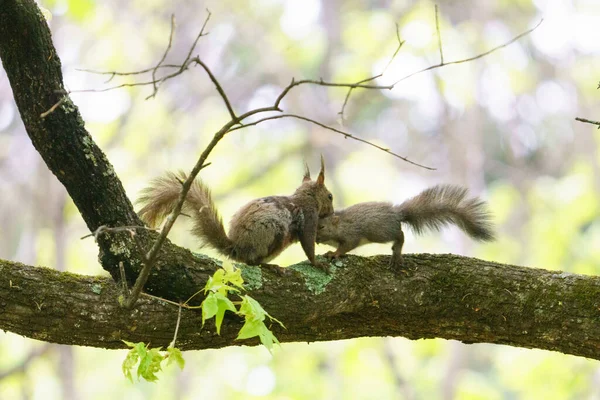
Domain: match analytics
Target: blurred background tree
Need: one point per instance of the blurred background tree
(502, 125)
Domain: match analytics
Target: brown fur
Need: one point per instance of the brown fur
(259, 231)
(381, 222)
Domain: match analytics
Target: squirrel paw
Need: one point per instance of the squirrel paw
(397, 264)
(277, 269)
(331, 255)
(321, 265)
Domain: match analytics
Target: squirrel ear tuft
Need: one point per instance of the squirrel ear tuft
(306, 173)
(321, 178)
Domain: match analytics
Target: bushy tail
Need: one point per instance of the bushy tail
(442, 205)
(161, 196)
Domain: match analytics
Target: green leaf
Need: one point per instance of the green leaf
(254, 325)
(250, 329)
(129, 344)
(221, 280)
(130, 361)
(150, 365)
(235, 278)
(227, 265)
(210, 307)
(251, 309)
(174, 355)
(258, 328)
(267, 338)
(223, 304)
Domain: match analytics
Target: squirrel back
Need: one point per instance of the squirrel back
(259, 231)
(381, 222)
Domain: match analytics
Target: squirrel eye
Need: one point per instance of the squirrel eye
(330, 196)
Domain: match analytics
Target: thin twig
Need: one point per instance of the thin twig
(163, 300)
(180, 68)
(200, 34)
(123, 278)
(527, 32)
(345, 134)
(176, 327)
(152, 254)
(116, 73)
(321, 82)
(588, 121)
(105, 229)
(218, 86)
(439, 35)
(54, 107)
(347, 98)
(155, 84)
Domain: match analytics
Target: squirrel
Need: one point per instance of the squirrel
(380, 222)
(259, 231)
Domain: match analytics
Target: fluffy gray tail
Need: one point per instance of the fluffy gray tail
(443, 205)
(161, 196)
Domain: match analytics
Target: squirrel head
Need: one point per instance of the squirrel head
(317, 190)
(328, 231)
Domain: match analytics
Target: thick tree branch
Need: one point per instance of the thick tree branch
(443, 296)
(34, 72)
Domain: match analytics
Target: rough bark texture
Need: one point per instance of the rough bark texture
(34, 71)
(443, 296)
(436, 296)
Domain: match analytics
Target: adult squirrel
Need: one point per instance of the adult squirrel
(380, 222)
(259, 231)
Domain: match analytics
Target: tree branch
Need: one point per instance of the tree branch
(345, 134)
(588, 121)
(444, 296)
(464, 60)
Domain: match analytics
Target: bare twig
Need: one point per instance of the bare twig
(345, 134)
(527, 32)
(163, 300)
(105, 229)
(54, 107)
(200, 34)
(218, 86)
(115, 73)
(176, 327)
(588, 121)
(347, 98)
(439, 35)
(123, 278)
(155, 84)
(321, 82)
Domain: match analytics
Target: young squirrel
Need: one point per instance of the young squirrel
(380, 222)
(259, 231)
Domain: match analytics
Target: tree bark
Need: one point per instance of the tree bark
(435, 296)
(34, 71)
(444, 296)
